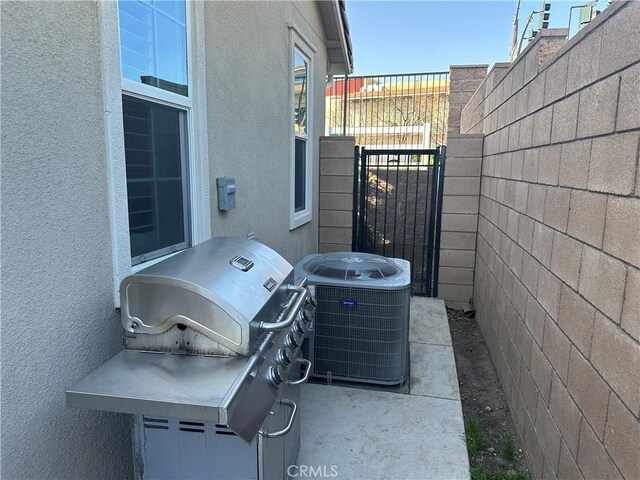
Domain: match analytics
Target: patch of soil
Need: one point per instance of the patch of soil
(482, 395)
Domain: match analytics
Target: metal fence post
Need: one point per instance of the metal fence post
(436, 262)
(356, 196)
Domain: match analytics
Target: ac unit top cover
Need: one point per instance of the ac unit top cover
(360, 270)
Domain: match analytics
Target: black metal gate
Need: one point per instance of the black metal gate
(397, 209)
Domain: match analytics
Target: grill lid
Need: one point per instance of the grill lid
(217, 288)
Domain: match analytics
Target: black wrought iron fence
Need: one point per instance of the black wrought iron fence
(397, 209)
(399, 111)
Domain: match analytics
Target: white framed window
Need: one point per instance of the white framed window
(301, 183)
(155, 108)
(156, 117)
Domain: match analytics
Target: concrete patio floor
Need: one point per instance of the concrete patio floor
(370, 434)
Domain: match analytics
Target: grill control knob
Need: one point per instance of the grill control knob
(306, 319)
(283, 356)
(299, 327)
(276, 375)
(292, 340)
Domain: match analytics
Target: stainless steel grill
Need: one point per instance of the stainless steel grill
(212, 343)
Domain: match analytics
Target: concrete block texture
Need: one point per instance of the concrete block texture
(556, 80)
(525, 233)
(593, 458)
(549, 164)
(620, 40)
(631, 308)
(541, 372)
(455, 293)
(337, 147)
(565, 259)
(467, 72)
(335, 235)
(333, 247)
(565, 119)
(522, 102)
(463, 167)
(542, 244)
(459, 223)
(556, 346)
(567, 467)
(542, 126)
(455, 276)
(622, 437)
(629, 100)
(590, 392)
(536, 200)
(332, 218)
(530, 165)
(464, 146)
(521, 195)
(526, 131)
(534, 319)
(556, 208)
(549, 292)
(549, 434)
(461, 185)
(557, 284)
(602, 282)
(458, 241)
(622, 231)
(460, 204)
(536, 93)
(584, 59)
(530, 271)
(336, 166)
(617, 357)
(457, 258)
(576, 319)
(336, 201)
(566, 414)
(335, 184)
(587, 216)
(574, 164)
(612, 166)
(597, 110)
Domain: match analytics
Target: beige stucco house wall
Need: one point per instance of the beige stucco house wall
(61, 197)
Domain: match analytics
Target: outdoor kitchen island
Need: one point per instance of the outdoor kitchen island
(357, 433)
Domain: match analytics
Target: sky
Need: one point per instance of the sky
(427, 36)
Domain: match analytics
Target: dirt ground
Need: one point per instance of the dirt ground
(483, 397)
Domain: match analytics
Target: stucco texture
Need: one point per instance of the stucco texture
(58, 319)
(58, 316)
(249, 118)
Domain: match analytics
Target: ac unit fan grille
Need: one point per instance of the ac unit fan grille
(366, 341)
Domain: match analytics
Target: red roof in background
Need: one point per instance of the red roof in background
(360, 84)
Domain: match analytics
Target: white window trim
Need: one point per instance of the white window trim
(298, 43)
(195, 105)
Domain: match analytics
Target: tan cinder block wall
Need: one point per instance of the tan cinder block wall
(336, 194)
(472, 116)
(463, 82)
(557, 282)
(459, 217)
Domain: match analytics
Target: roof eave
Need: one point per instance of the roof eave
(340, 59)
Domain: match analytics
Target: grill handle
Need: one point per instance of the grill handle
(307, 373)
(300, 295)
(287, 429)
